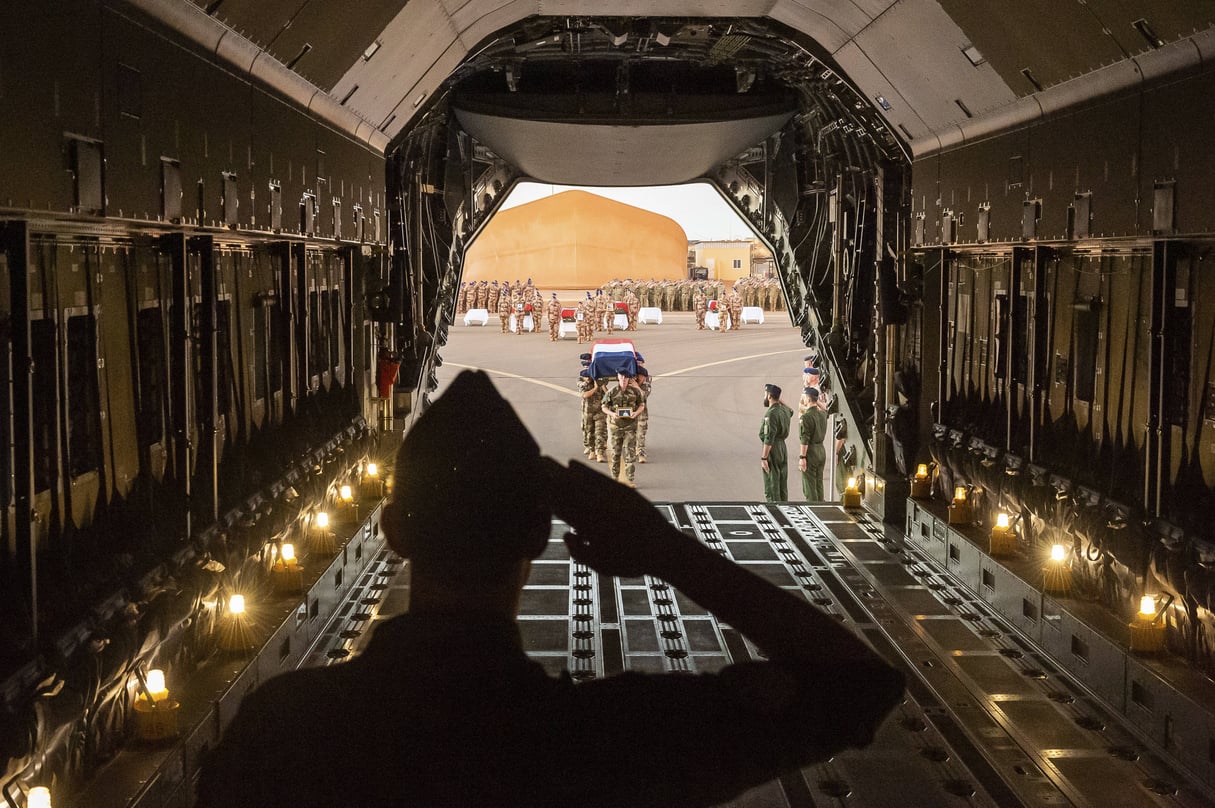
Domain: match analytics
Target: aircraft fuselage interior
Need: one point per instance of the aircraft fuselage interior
(989, 220)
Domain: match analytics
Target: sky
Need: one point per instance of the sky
(697, 207)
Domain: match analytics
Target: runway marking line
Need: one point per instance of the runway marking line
(576, 394)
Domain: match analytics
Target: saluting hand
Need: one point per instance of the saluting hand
(616, 531)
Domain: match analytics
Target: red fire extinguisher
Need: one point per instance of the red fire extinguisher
(387, 367)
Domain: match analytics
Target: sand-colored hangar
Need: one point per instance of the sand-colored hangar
(577, 240)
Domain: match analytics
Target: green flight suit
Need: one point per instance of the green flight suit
(773, 431)
(812, 431)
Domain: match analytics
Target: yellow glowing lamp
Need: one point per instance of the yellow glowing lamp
(236, 605)
(156, 685)
(1003, 539)
(1147, 632)
(1057, 553)
(346, 493)
(852, 494)
(921, 471)
(322, 520)
(39, 797)
(287, 554)
(372, 469)
(959, 494)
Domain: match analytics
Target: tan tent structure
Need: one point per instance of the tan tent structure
(577, 240)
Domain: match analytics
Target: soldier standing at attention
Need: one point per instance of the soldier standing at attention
(491, 302)
(592, 399)
(644, 383)
(554, 317)
(774, 457)
(700, 306)
(634, 304)
(504, 309)
(582, 318)
(734, 302)
(621, 406)
(812, 431)
(603, 312)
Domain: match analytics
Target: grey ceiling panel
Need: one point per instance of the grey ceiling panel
(902, 115)
(1168, 21)
(337, 33)
(1055, 40)
(829, 22)
(258, 20)
(478, 19)
(909, 52)
(579, 154)
(657, 8)
(918, 50)
(419, 43)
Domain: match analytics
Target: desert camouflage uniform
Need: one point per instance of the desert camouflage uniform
(554, 317)
(594, 424)
(504, 310)
(622, 434)
(645, 383)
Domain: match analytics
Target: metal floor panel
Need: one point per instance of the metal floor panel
(989, 721)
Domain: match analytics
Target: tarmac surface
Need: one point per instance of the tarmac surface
(705, 406)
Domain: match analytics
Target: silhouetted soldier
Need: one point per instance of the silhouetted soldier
(444, 708)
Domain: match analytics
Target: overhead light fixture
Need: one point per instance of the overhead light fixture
(972, 54)
(39, 797)
(417, 101)
(371, 49)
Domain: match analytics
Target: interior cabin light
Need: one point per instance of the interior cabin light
(322, 520)
(1056, 574)
(372, 469)
(157, 690)
(236, 604)
(852, 494)
(1147, 606)
(1003, 538)
(39, 797)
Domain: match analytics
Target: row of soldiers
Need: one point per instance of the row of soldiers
(598, 313)
(490, 296)
(608, 436)
(667, 295)
(671, 295)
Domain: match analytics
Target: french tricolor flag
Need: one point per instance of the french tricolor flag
(610, 356)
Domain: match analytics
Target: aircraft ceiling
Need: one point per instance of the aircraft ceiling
(930, 72)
